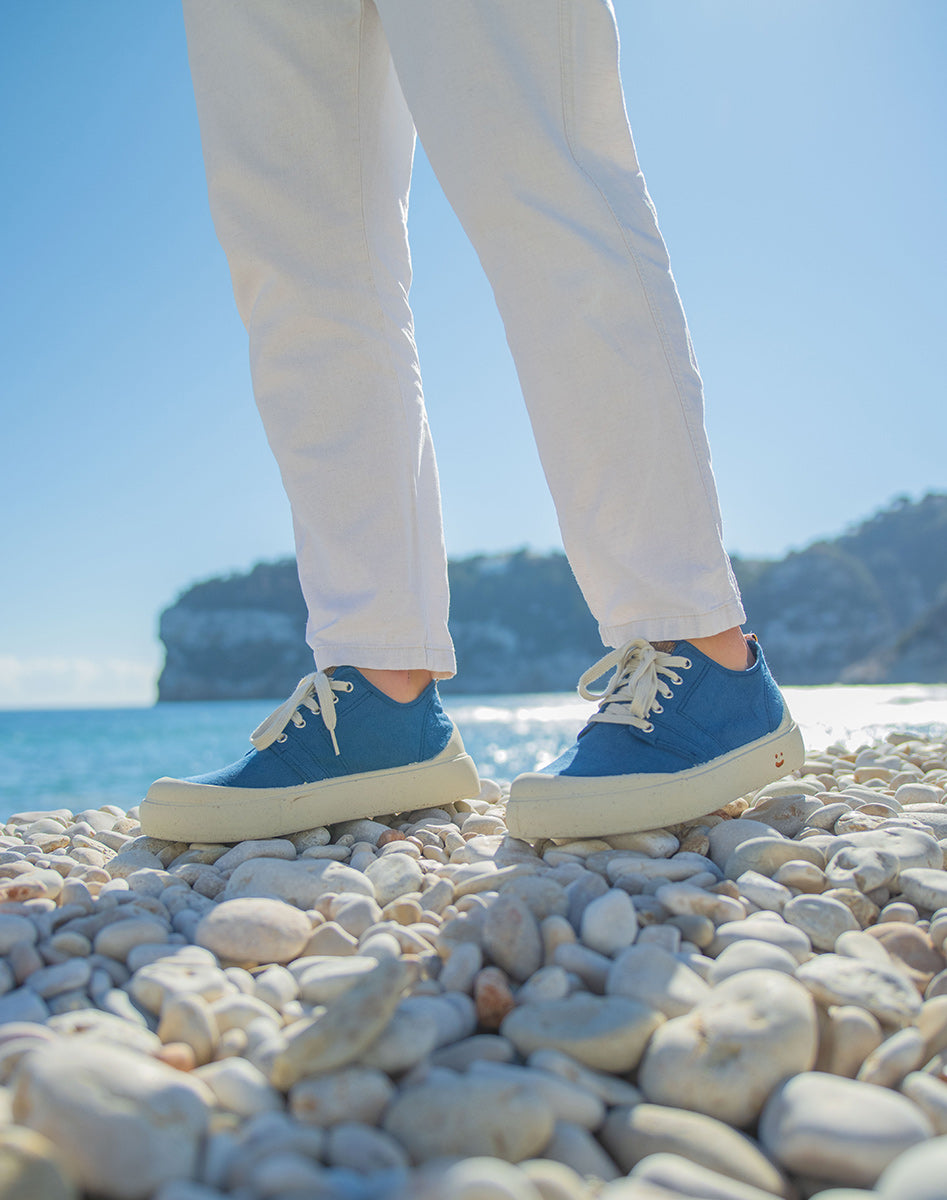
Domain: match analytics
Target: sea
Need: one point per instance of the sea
(84, 758)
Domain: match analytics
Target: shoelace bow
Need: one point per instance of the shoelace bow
(632, 692)
(315, 692)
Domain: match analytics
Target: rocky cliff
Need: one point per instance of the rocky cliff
(869, 606)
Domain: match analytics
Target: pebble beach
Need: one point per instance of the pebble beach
(419, 1007)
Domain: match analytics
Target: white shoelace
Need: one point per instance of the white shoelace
(632, 692)
(315, 692)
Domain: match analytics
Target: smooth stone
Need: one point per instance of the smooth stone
(918, 1174)
(862, 867)
(359, 1148)
(407, 1040)
(801, 875)
(575, 1147)
(609, 924)
(554, 1181)
(883, 991)
(607, 1033)
(62, 977)
(356, 1093)
(189, 1019)
(683, 899)
(862, 945)
(929, 1093)
(452, 1016)
(839, 1130)
(261, 848)
(911, 847)
(726, 1055)
(763, 891)
(684, 865)
(656, 979)
(152, 985)
(393, 875)
(894, 1059)
(925, 887)
(30, 1167)
(541, 895)
(125, 1123)
(253, 929)
(631, 1134)
(302, 883)
(786, 813)
(609, 1088)
(728, 835)
(511, 937)
(355, 914)
(345, 1028)
(767, 854)
(133, 857)
(239, 1087)
(750, 956)
(932, 1022)
(16, 931)
(483, 1178)
(675, 1176)
(654, 843)
(569, 1101)
(847, 1036)
(323, 980)
(821, 919)
(118, 939)
(911, 948)
(775, 931)
(469, 1116)
(458, 1056)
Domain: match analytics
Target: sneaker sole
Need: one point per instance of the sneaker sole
(177, 811)
(562, 806)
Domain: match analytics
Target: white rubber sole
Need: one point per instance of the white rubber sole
(560, 806)
(178, 811)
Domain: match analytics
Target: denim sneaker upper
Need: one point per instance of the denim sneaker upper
(665, 712)
(335, 724)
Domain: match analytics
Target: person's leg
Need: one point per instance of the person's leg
(308, 147)
(520, 109)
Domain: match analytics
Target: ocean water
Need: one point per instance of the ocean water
(84, 758)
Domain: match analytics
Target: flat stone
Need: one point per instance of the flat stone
(683, 899)
(323, 979)
(239, 1087)
(775, 931)
(606, 1033)
(656, 979)
(568, 1100)
(897, 1056)
(839, 1130)
(576, 1148)
(924, 886)
(763, 892)
(302, 883)
(408, 1039)
(726, 1055)
(725, 837)
(835, 979)
(633, 1133)
(929, 1093)
(848, 1035)
(750, 955)
(16, 931)
(469, 1116)
(125, 1123)
(787, 813)
(189, 1019)
(862, 867)
(347, 1026)
(911, 847)
(674, 1176)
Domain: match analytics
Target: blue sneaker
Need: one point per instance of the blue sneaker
(337, 749)
(676, 735)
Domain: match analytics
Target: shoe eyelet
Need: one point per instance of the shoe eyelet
(649, 728)
(301, 723)
(656, 708)
(687, 664)
(282, 738)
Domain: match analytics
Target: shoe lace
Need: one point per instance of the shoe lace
(641, 675)
(317, 692)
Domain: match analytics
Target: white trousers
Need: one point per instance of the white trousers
(308, 111)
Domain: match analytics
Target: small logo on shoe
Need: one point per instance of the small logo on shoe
(780, 760)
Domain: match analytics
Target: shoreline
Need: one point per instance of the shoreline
(748, 1005)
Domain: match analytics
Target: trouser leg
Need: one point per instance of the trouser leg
(520, 110)
(308, 146)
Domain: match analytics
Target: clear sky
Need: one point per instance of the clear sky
(796, 156)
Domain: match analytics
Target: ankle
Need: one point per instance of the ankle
(403, 686)
(729, 649)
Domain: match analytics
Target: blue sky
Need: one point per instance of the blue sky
(795, 153)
